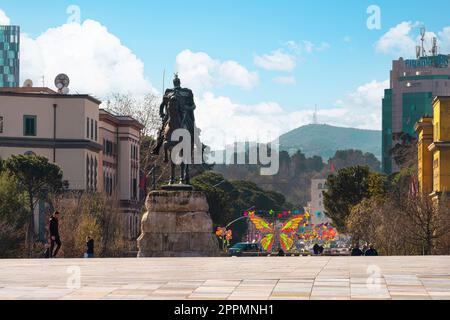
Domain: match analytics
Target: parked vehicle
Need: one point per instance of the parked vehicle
(245, 249)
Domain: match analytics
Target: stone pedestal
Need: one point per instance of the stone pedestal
(177, 224)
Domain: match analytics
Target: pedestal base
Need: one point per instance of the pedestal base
(177, 224)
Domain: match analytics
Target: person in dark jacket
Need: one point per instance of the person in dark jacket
(371, 252)
(321, 249)
(89, 247)
(316, 249)
(54, 234)
(356, 251)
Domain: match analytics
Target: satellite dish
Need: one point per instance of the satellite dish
(28, 83)
(62, 81)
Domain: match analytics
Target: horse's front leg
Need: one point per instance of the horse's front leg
(187, 178)
(166, 152)
(172, 173)
(182, 172)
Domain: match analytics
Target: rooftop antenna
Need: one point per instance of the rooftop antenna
(315, 115)
(434, 50)
(418, 51)
(423, 32)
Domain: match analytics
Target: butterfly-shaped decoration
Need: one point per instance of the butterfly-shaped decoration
(285, 234)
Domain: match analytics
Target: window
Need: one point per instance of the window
(95, 173)
(92, 129)
(95, 130)
(29, 125)
(87, 173)
(1, 124)
(87, 128)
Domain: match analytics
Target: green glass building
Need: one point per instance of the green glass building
(413, 84)
(9, 56)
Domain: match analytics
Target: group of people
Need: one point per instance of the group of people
(368, 250)
(54, 242)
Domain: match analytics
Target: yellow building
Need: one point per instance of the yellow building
(434, 149)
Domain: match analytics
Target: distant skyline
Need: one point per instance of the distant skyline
(254, 66)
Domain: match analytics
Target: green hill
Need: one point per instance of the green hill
(324, 140)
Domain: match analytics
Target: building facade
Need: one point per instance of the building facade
(9, 56)
(119, 165)
(434, 150)
(316, 207)
(97, 151)
(413, 85)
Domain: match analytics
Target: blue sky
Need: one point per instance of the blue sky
(346, 54)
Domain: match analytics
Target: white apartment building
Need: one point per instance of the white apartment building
(316, 207)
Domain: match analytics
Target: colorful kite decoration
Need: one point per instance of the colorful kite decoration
(285, 234)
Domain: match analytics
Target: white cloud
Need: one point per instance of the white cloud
(398, 40)
(224, 121)
(235, 74)
(285, 80)
(95, 60)
(402, 40)
(444, 37)
(4, 19)
(323, 46)
(201, 72)
(362, 108)
(276, 61)
(307, 46)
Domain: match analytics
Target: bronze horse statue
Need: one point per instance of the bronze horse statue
(177, 112)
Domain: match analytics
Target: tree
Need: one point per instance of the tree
(145, 110)
(350, 158)
(36, 176)
(13, 215)
(347, 189)
(90, 214)
(228, 199)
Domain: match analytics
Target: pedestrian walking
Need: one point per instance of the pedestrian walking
(54, 234)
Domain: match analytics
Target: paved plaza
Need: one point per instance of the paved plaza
(299, 278)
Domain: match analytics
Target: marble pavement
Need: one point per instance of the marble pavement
(264, 278)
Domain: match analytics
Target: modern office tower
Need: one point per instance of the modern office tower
(414, 83)
(9, 56)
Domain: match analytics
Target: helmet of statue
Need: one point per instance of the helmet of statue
(176, 81)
